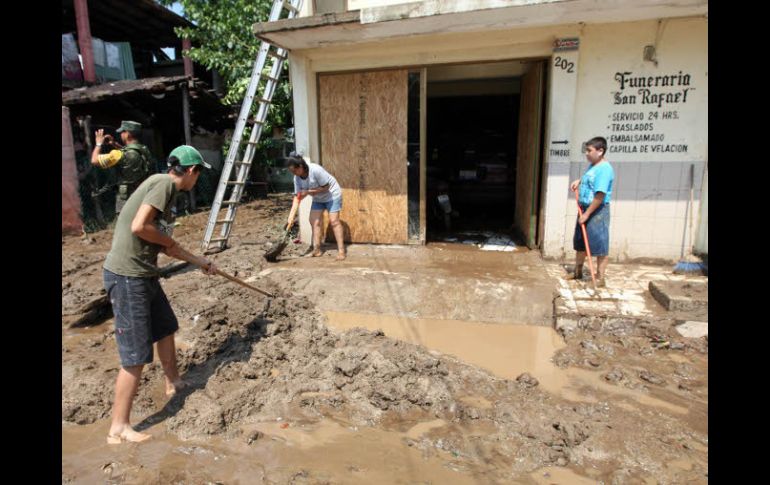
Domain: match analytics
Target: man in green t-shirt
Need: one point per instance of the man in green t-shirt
(143, 315)
(133, 160)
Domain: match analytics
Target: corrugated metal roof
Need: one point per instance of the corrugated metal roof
(117, 88)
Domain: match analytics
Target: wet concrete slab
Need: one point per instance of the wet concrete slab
(681, 295)
(437, 281)
(627, 294)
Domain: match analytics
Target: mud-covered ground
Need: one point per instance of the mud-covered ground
(279, 397)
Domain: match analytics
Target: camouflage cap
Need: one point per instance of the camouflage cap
(129, 126)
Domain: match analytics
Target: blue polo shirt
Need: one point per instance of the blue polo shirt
(598, 178)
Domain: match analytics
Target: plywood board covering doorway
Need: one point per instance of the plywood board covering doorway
(528, 157)
(363, 123)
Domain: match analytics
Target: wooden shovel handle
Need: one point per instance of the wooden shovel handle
(243, 283)
(293, 213)
(229, 277)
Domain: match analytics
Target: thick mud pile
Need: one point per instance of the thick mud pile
(251, 359)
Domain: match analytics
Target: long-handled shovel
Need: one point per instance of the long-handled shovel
(232, 278)
(98, 310)
(585, 240)
(272, 254)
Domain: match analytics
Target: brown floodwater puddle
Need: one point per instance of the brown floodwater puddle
(329, 450)
(504, 350)
(560, 476)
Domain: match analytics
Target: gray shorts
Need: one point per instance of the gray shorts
(142, 316)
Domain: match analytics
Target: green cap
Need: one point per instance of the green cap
(188, 156)
(129, 126)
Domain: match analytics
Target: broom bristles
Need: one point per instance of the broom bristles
(689, 267)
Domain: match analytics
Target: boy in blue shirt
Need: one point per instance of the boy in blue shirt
(594, 198)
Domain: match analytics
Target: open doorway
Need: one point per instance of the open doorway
(483, 150)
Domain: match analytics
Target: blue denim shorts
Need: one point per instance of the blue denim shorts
(598, 231)
(142, 316)
(334, 205)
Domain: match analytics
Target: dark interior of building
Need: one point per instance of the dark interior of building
(471, 157)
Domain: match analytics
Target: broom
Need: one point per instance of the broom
(272, 254)
(687, 265)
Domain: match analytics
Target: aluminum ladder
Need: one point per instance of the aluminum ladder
(267, 82)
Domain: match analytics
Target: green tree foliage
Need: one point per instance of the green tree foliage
(223, 39)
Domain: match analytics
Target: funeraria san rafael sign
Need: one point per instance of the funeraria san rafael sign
(656, 98)
(645, 93)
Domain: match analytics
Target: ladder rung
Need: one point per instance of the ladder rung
(288, 6)
(236, 183)
(266, 76)
(242, 163)
(218, 239)
(276, 55)
(220, 221)
(256, 122)
(265, 100)
(229, 202)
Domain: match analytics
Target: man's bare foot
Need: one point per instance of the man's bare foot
(173, 387)
(341, 255)
(574, 276)
(316, 253)
(126, 434)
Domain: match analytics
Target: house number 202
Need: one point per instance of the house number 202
(564, 64)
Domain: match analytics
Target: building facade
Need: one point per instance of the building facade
(490, 102)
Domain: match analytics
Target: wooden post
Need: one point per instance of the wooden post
(187, 134)
(84, 41)
(188, 65)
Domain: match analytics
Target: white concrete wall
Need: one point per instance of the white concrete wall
(562, 91)
(441, 48)
(303, 81)
(651, 193)
(359, 4)
(377, 10)
(650, 197)
(327, 6)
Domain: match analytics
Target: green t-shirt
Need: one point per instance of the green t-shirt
(130, 255)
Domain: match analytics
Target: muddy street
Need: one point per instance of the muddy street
(434, 364)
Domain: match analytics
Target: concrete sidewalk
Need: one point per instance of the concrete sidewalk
(626, 295)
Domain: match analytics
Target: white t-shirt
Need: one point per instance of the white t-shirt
(318, 177)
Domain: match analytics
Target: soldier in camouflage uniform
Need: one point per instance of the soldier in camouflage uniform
(133, 160)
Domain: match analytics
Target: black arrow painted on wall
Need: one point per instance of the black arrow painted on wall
(563, 142)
